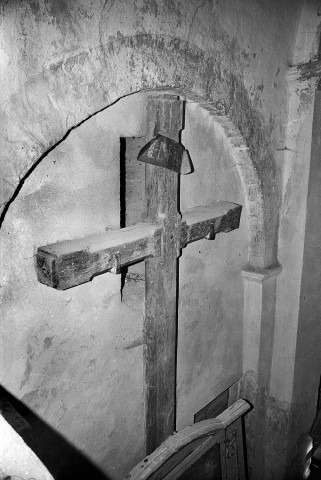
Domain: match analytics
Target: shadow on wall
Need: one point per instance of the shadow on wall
(61, 458)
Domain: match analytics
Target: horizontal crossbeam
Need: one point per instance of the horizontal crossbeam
(69, 263)
(207, 221)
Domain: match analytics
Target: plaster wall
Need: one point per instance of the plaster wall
(211, 290)
(74, 357)
(232, 53)
(295, 188)
(63, 61)
(294, 375)
(307, 354)
(67, 354)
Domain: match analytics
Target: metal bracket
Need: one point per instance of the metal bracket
(166, 152)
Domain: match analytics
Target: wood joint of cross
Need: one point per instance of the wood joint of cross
(158, 241)
(69, 263)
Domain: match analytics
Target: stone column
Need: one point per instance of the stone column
(258, 335)
(296, 360)
(282, 313)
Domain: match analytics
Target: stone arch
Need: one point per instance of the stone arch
(51, 104)
(225, 130)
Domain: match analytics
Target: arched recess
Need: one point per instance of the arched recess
(72, 317)
(48, 106)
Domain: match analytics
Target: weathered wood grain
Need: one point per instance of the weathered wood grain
(192, 441)
(134, 190)
(134, 182)
(165, 116)
(207, 221)
(65, 264)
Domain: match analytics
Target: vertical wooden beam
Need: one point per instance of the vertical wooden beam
(134, 192)
(165, 116)
(134, 181)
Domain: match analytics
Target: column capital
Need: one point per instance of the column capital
(258, 274)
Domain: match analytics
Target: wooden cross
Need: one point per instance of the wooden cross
(158, 240)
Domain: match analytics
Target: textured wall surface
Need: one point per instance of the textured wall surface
(211, 290)
(233, 54)
(77, 359)
(308, 356)
(67, 354)
(61, 62)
